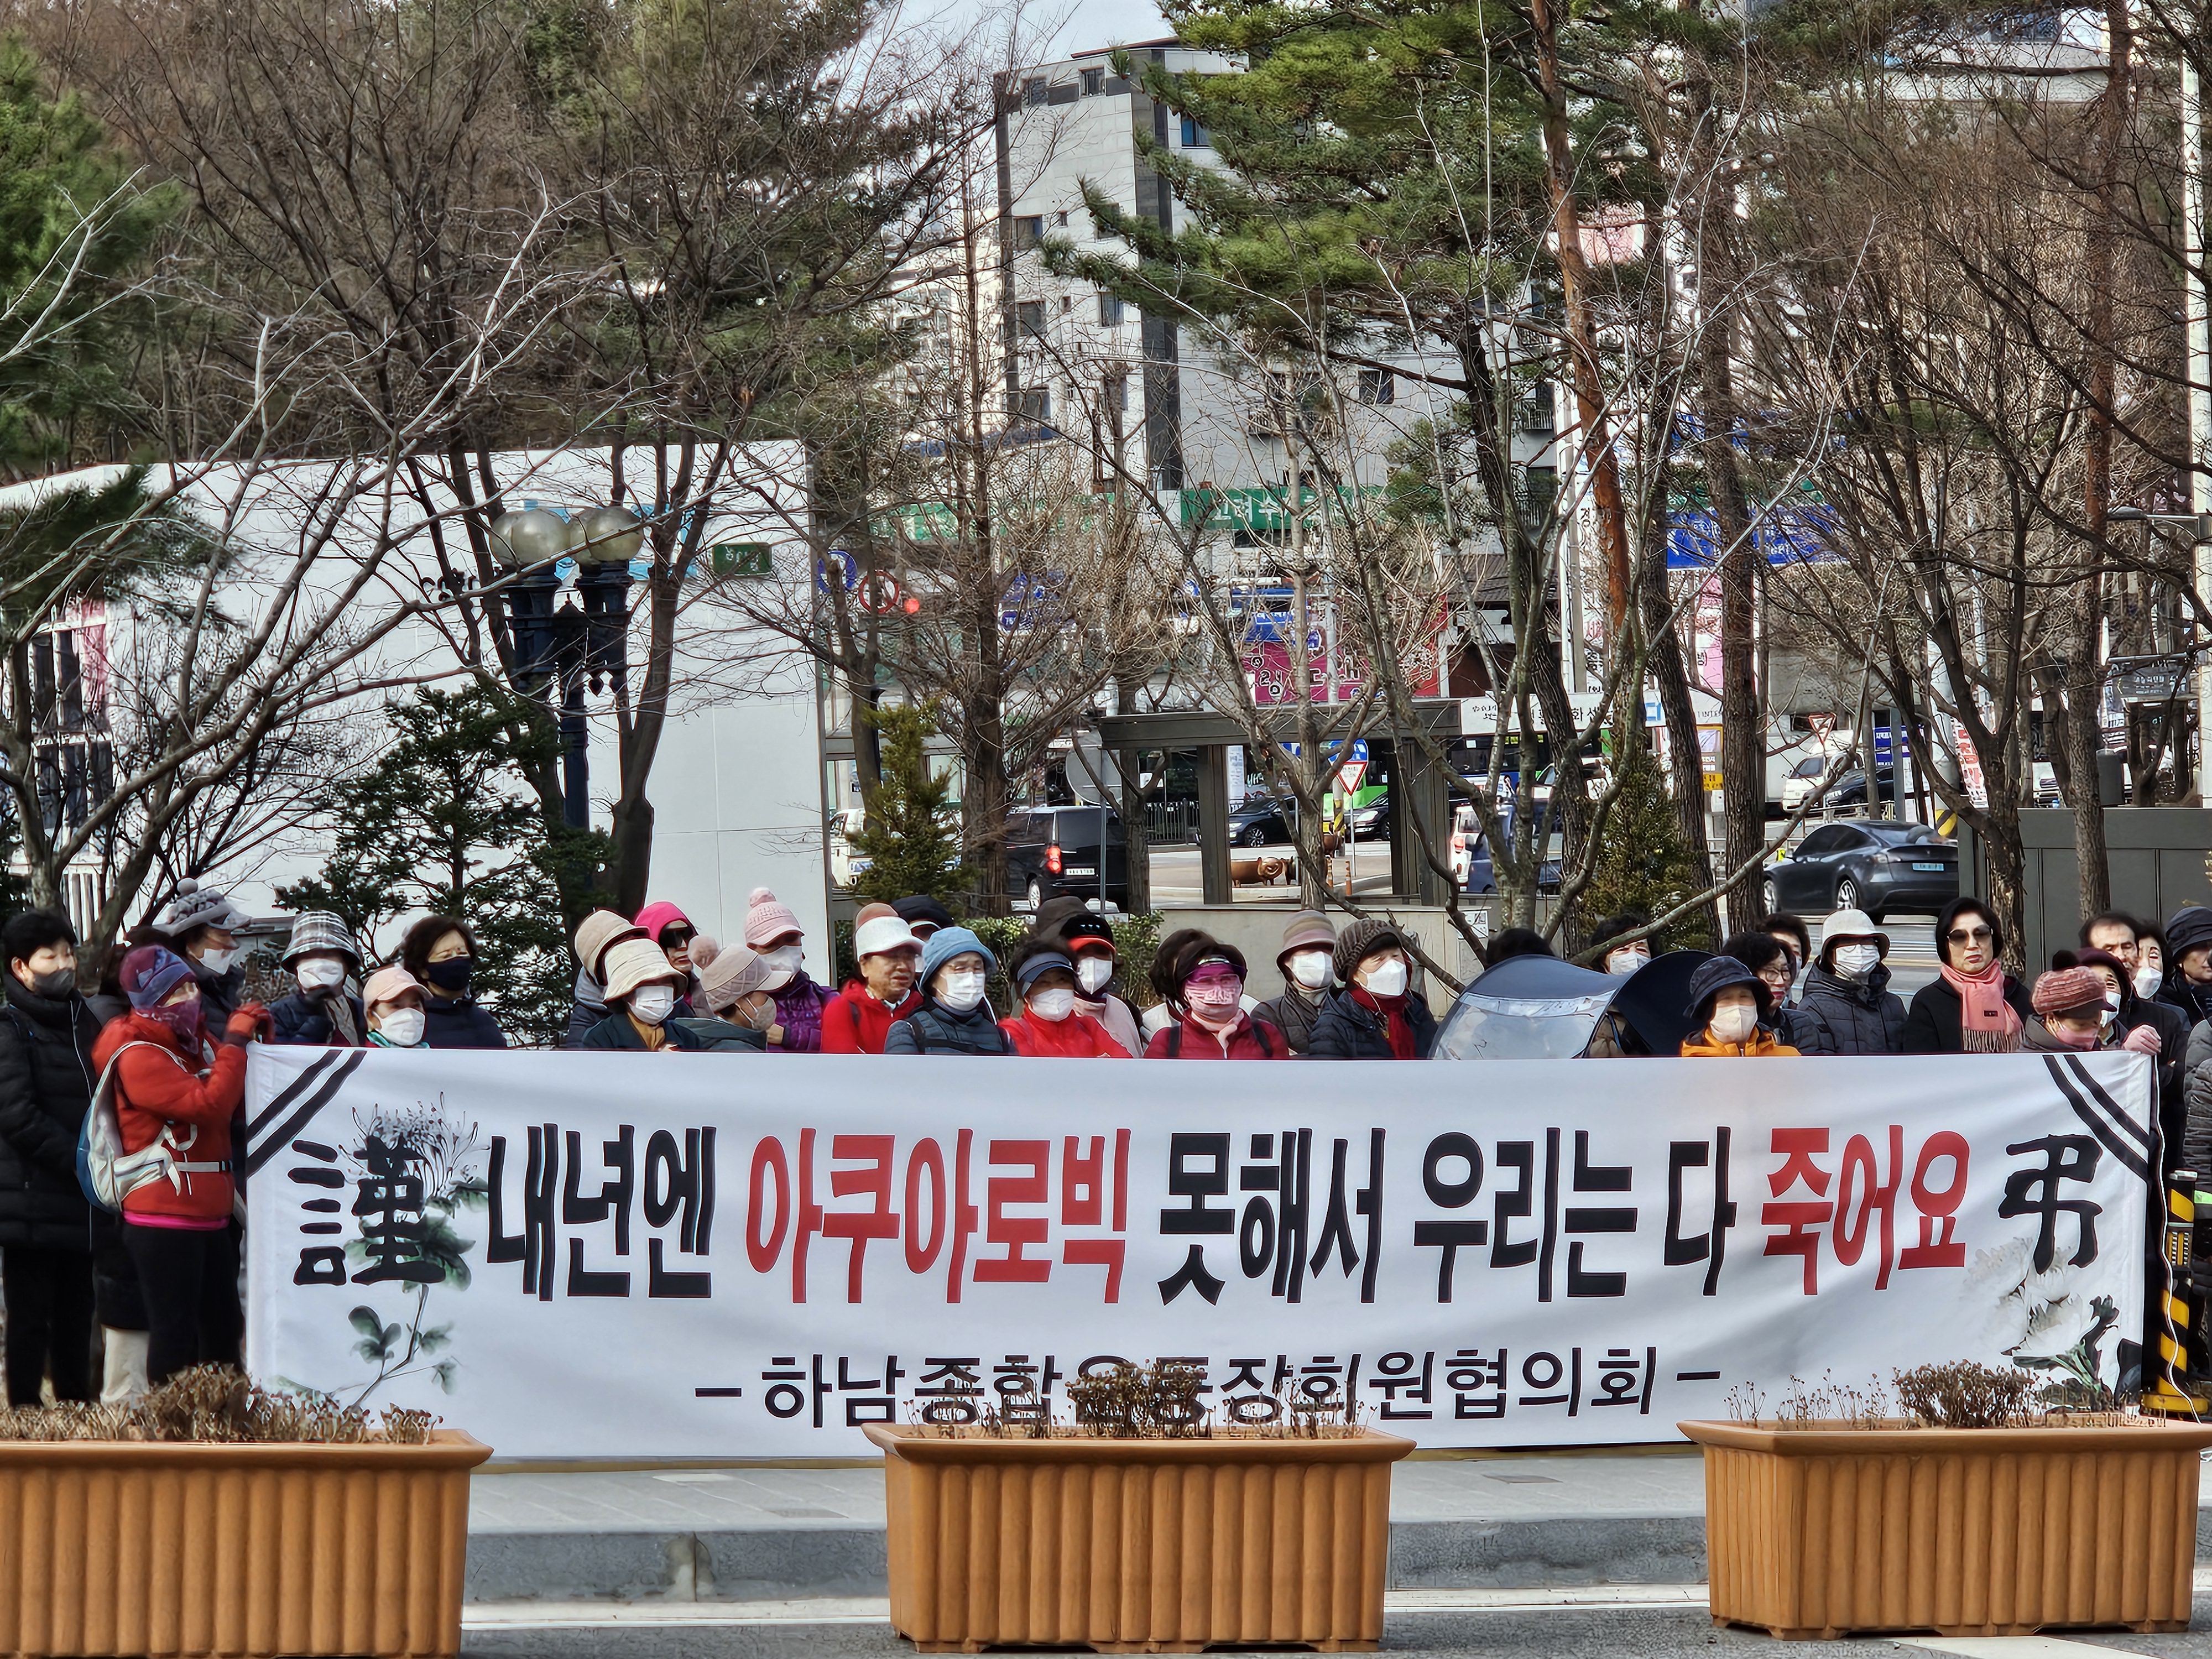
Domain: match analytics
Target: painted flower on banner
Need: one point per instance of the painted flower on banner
(414, 1171)
(2045, 1322)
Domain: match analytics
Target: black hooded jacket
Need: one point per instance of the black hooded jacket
(47, 1080)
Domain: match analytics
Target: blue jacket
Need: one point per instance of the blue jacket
(304, 1022)
(933, 1029)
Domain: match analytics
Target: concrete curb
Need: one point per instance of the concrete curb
(794, 1562)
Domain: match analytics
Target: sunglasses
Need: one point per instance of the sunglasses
(1969, 936)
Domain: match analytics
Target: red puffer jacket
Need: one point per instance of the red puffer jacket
(855, 1023)
(158, 1090)
(1076, 1037)
(1248, 1039)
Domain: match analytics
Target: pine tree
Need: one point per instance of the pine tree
(912, 837)
(1644, 863)
(440, 825)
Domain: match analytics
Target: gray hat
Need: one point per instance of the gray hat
(195, 906)
(319, 930)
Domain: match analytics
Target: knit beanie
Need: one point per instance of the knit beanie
(2069, 990)
(600, 929)
(947, 943)
(195, 906)
(767, 920)
(150, 973)
(1362, 939)
(727, 973)
(1306, 929)
(878, 928)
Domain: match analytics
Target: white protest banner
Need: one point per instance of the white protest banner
(636, 1255)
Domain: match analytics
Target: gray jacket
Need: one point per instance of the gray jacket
(2196, 1103)
(1838, 1016)
(1293, 1014)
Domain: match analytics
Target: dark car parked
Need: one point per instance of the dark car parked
(1261, 821)
(1051, 850)
(1850, 789)
(1873, 865)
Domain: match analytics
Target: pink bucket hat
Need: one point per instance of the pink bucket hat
(767, 920)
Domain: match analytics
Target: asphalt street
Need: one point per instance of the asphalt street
(1513, 1625)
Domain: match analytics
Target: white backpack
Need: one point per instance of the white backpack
(106, 1172)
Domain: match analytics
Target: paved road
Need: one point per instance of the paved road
(1514, 1629)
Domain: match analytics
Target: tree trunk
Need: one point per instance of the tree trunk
(1672, 680)
(1582, 328)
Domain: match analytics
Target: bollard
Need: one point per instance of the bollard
(2168, 1387)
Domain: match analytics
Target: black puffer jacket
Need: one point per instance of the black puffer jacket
(1345, 1030)
(1839, 1015)
(304, 1022)
(2195, 1151)
(934, 1028)
(47, 1080)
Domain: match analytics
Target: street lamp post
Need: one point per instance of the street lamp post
(559, 651)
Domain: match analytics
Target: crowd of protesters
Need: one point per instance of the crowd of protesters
(173, 1021)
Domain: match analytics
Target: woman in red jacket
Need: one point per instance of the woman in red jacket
(170, 1092)
(1050, 1025)
(859, 1018)
(1203, 982)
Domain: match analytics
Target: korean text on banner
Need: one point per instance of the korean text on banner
(620, 1255)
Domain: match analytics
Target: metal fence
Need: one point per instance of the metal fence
(1170, 822)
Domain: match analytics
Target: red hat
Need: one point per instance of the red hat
(2069, 990)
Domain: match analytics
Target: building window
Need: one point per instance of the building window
(1028, 231)
(1032, 406)
(1094, 82)
(1377, 385)
(1117, 389)
(1110, 309)
(1195, 137)
(1059, 219)
(1036, 90)
(1028, 316)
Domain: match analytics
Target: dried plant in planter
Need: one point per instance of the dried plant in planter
(1830, 1403)
(1964, 1395)
(219, 1404)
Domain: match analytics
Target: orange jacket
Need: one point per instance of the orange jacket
(159, 1091)
(1764, 1045)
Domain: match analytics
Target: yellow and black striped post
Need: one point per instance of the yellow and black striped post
(2169, 1387)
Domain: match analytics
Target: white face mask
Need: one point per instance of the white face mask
(962, 991)
(1094, 974)
(218, 962)
(787, 959)
(1856, 961)
(402, 1028)
(653, 1003)
(1052, 1005)
(2147, 979)
(1387, 979)
(1734, 1024)
(1312, 969)
(1627, 959)
(320, 975)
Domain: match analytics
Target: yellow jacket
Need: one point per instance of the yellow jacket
(1764, 1045)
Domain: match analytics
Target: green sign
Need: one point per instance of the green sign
(743, 559)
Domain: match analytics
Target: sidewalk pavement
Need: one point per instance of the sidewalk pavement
(758, 1534)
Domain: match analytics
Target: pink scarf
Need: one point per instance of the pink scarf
(1988, 1024)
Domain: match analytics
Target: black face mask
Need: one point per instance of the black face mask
(55, 986)
(452, 975)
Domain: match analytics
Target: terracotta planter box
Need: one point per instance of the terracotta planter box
(158, 1549)
(1137, 1546)
(1966, 1532)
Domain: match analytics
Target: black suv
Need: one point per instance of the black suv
(1051, 850)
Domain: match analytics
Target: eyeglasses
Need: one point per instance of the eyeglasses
(1969, 936)
(1777, 974)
